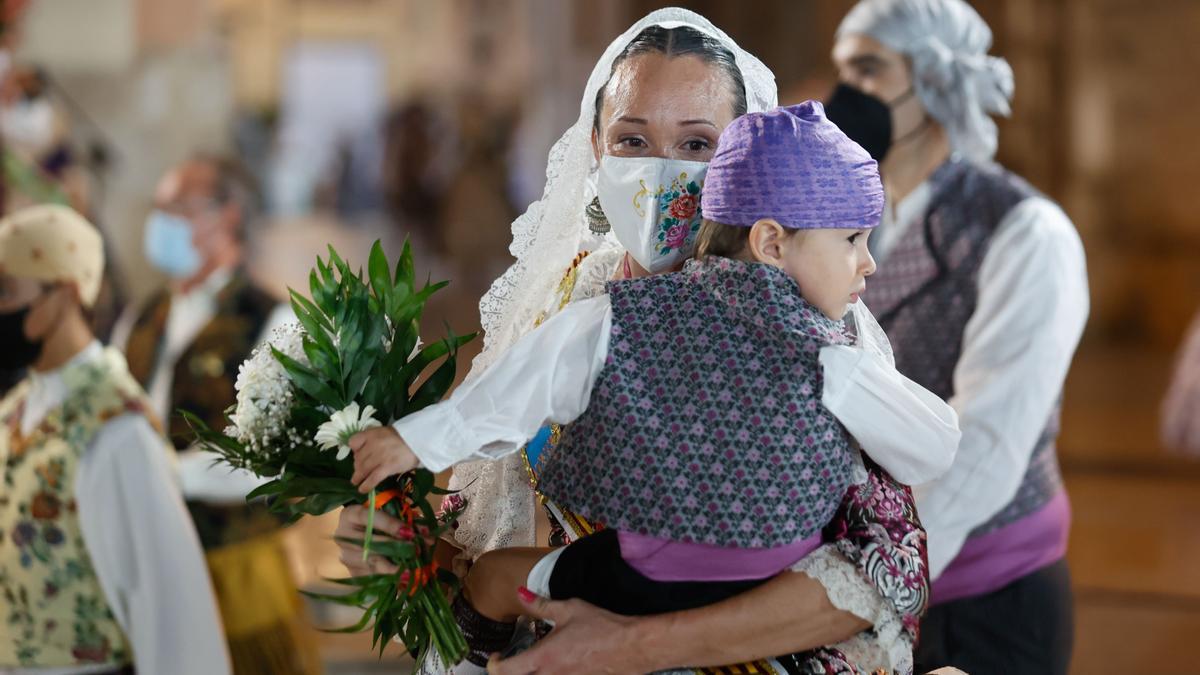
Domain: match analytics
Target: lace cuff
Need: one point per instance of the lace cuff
(886, 644)
(596, 270)
(846, 588)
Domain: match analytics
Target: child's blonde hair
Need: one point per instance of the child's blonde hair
(726, 241)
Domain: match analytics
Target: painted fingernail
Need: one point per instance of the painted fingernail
(527, 596)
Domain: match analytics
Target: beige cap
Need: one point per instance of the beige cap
(53, 243)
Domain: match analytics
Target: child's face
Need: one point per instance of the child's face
(831, 266)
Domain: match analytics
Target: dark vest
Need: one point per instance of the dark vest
(705, 424)
(926, 290)
(204, 385)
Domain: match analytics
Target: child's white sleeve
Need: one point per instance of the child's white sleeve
(906, 429)
(545, 377)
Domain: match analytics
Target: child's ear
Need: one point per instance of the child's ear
(766, 242)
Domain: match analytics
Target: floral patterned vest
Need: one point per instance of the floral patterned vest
(705, 424)
(55, 612)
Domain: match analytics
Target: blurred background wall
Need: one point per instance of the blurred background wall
(367, 119)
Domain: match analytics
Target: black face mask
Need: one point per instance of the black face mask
(17, 351)
(865, 119)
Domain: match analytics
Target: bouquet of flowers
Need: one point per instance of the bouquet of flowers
(351, 363)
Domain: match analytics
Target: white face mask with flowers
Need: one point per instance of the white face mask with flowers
(653, 206)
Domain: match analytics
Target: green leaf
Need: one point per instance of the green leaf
(434, 387)
(317, 290)
(318, 504)
(321, 360)
(428, 355)
(365, 580)
(337, 263)
(422, 482)
(267, 489)
(308, 382)
(314, 313)
(393, 549)
(404, 267)
(377, 268)
(412, 308)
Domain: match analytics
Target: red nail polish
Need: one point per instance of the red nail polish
(527, 596)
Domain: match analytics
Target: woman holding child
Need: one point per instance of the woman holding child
(850, 599)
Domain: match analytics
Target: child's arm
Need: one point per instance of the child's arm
(546, 377)
(905, 428)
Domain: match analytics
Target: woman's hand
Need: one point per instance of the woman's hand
(582, 633)
(738, 629)
(379, 453)
(352, 528)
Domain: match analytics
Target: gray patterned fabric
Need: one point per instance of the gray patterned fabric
(705, 425)
(927, 290)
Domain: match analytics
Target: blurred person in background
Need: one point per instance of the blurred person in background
(185, 345)
(38, 158)
(101, 570)
(40, 166)
(982, 289)
(414, 175)
(475, 208)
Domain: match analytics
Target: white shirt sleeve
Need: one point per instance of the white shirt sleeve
(909, 432)
(546, 376)
(1017, 347)
(146, 553)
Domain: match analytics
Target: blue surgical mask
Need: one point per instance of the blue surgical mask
(168, 245)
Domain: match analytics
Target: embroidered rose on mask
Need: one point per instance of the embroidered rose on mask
(684, 207)
(677, 236)
(679, 206)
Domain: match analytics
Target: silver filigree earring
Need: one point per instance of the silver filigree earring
(597, 221)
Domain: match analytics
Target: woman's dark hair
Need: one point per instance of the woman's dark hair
(681, 41)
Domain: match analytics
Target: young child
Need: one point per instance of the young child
(712, 431)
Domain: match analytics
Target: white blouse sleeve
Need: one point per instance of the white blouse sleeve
(146, 553)
(1017, 347)
(547, 376)
(906, 429)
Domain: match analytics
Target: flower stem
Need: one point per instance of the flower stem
(370, 527)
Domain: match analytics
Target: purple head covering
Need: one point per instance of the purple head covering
(795, 166)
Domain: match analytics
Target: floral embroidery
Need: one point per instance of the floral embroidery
(878, 530)
(679, 210)
(56, 612)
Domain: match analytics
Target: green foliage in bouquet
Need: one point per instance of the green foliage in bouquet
(354, 362)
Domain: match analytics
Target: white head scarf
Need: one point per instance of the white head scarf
(546, 238)
(957, 82)
(549, 234)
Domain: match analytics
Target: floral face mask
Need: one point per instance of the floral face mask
(653, 205)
